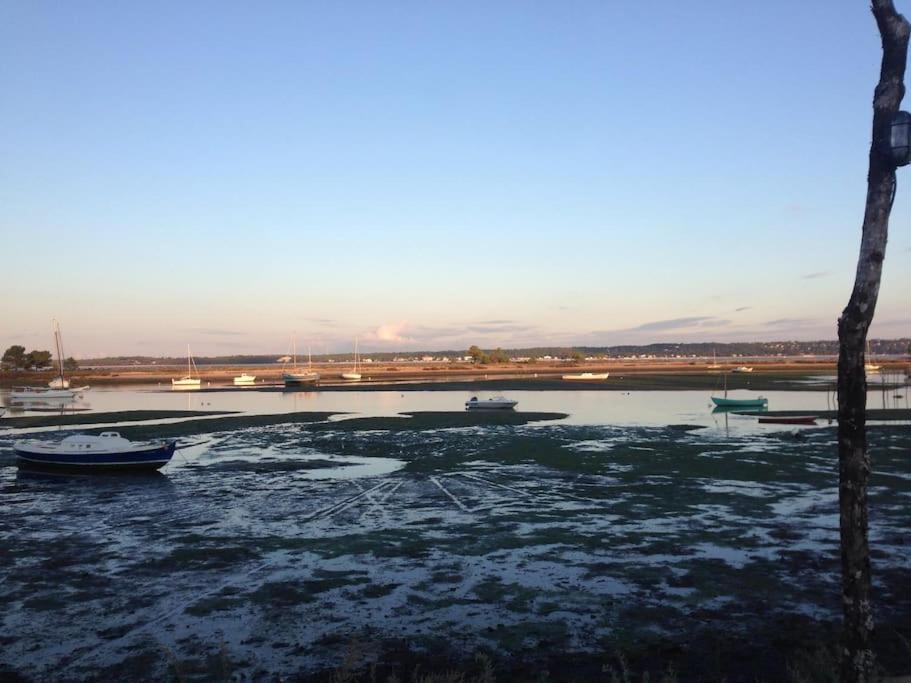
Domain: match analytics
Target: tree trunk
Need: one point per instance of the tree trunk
(853, 458)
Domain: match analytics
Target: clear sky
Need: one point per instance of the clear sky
(432, 175)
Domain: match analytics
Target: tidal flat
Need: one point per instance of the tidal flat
(301, 547)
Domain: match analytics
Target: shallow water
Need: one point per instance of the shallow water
(277, 547)
(584, 407)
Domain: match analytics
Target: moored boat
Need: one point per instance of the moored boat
(759, 402)
(57, 388)
(245, 379)
(725, 402)
(497, 403)
(109, 451)
(188, 381)
(714, 365)
(295, 376)
(789, 419)
(41, 393)
(587, 376)
(354, 375)
(743, 368)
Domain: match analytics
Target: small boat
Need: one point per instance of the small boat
(498, 403)
(588, 376)
(789, 419)
(245, 379)
(42, 393)
(188, 381)
(714, 365)
(871, 368)
(295, 376)
(59, 387)
(725, 402)
(354, 375)
(760, 402)
(743, 368)
(109, 451)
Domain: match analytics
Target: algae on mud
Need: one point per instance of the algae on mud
(536, 543)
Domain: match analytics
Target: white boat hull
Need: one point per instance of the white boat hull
(185, 382)
(298, 378)
(587, 376)
(245, 379)
(490, 404)
(40, 394)
(354, 376)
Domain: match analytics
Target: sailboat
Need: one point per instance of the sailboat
(296, 376)
(188, 381)
(354, 375)
(59, 387)
(758, 402)
(870, 367)
(714, 365)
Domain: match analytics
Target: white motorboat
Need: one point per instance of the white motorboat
(188, 381)
(354, 375)
(497, 403)
(588, 376)
(59, 383)
(295, 376)
(245, 379)
(94, 453)
(743, 368)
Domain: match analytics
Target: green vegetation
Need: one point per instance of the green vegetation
(16, 358)
(482, 357)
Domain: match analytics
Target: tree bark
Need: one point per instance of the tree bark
(857, 660)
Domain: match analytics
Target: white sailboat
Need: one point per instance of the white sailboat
(354, 375)
(870, 367)
(588, 376)
(296, 376)
(188, 381)
(714, 365)
(59, 387)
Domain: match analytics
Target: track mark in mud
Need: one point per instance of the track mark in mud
(343, 505)
(455, 500)
(493, 483)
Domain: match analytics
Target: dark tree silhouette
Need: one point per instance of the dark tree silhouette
(857, 660)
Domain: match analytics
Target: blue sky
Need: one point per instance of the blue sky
(432, 175)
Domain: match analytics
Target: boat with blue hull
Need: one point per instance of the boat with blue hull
(85, 453)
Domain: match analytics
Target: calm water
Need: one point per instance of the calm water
(643, 408)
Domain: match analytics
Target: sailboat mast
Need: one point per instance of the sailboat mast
(59, 344)
(309, 359)
(188, 361)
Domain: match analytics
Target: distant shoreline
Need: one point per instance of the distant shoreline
(767, 374)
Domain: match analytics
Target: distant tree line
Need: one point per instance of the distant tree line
(15, 358)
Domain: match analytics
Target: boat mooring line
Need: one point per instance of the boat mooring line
(338, 507)
(455, 500)
(392, 490)
(373, 501)
(493, 483)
